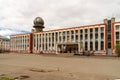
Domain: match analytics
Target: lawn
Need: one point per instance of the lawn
(5, 78)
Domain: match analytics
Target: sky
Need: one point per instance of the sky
(16, 16)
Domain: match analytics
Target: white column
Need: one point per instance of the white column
(25, 42)
(78, 35)
(41, 42)
(58, 37)
(62, 36)
(32, 42)
(54, 40)
(84, 39)
(70, 36)
(16, 44)
(99, 39)
(21, 43)
(79, 40)
(35, 41)
(56, 48)
(65, 36)
(47, 41)
(38, 42)
(44, 41)
(74, 35)
(93, 38)
(13, 43)
(88, 38)
(51, 41)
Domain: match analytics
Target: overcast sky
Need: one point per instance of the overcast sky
(19, 14)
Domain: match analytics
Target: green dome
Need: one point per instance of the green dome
(38, 21)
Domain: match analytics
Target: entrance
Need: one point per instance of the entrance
(109, 52)
(67, 48)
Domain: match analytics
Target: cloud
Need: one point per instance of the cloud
(7, 32)
(19, 14)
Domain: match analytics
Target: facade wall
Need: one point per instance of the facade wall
(20, 43)
(4, 44)
(115, 35)
(90, 37)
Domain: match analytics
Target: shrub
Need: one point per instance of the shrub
(118, 50)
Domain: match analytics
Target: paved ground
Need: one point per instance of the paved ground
(40, 67)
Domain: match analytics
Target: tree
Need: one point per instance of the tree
(118, 50)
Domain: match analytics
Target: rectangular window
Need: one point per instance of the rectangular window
(102, 29)
(67, 32)
(96, 30)
(46, 47)
(117, 27)
(102, 35)
(86, 46)
(72, 32)
(91, 36)
(63, 38)
(102, 45)
(63, 33)
(60, 38)
(91, 45)
(81, 31)
(60, 33)
(96, 45)
(72, 38)
(81, 37)
(96, 36)
(86, 30)
(76, 31)
(76, 37)
(109, 45)
(86, 36)
(109, 37)
(91, 30)
(117, 35)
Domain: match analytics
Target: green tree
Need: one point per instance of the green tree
(118, 50)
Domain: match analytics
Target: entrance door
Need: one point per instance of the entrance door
(109, 51)
(71, 48)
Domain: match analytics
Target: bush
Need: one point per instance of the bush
(118, 50)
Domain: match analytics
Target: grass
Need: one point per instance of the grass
(5, 78)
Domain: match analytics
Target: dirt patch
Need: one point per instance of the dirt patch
(44, 70)
(22, 77)
(37, 67)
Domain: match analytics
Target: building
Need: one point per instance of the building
(4, 44)
(21, 43)
(98, 37)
